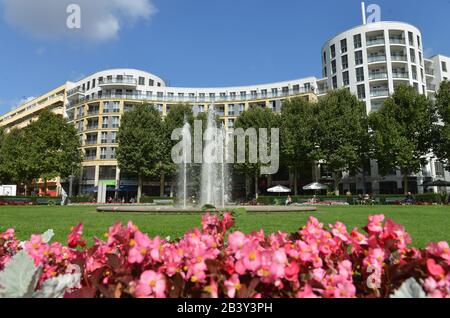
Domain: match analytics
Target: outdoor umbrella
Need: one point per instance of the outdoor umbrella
(279, 189)
(92, 190)
(315, 186)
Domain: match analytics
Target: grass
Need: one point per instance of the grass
(425, 224)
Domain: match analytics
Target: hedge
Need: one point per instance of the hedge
(32, 200)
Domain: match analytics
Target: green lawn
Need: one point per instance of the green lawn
(425, 224)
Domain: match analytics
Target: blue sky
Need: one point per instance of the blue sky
(188, 42)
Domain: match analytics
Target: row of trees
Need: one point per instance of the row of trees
(47, 148)
(336, 131)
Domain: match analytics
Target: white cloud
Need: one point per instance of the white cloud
(101, 20)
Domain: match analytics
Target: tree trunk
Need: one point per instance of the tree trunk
(139, 194)
(256, 186)
(405, 183)
(162, 184)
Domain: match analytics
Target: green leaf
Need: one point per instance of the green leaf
(410, 289)
(20, 277)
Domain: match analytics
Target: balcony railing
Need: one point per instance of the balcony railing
(379, 92)
(380, 75)
(77, 90)
(429, 71)
(113, 81)
(90, 157)
(91, 142)
(431, 87)
(92, 127)
(376, 58)
(397, 40)
(93, 113)
(400, 75)
(193, 99)
(399, 58)
(375, 41)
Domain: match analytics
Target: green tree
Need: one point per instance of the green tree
(54, 147)
(342, 133)
(402, 132)
(442, 131)
(298, 136)
(255, 118)
(140, 148)
(16, 162)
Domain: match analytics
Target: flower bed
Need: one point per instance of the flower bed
(210, 262)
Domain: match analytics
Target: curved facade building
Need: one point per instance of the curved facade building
(373, 59)
(95, 106)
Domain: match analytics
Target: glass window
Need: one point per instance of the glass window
(357, 41)
(335, 85)
(360, 74)
(345, 78)
(333, 67)
(359, 58)
(361, 91)
(344, 62)
(104, 137)
(444, 66)
(344, 46)
(333, 51)
(141, 81)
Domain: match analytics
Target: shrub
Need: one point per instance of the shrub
(210, 262)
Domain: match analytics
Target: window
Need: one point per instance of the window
(344, 62)
(113, 153)
(357, 41)
(296, 89)
(412, 52)
(264, 93)
(411, 38)
(359, 58)
(439, 167)
(360, 74)
(102, 153)
(418, 41)
(274, 91)
(333, 67)
(116, 107)
(104, 137)
(333, 51)
(345, 78)
(93, 83)
(361, 91)
(324, 72)
(113, 137)
(335, 85)
(141, 81)
(115, 122)
(151, 82)
(324, 57)
(105, 122)
(344, 46)
(444, 66)
(106, 107)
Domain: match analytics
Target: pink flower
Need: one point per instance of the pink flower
(340, 231)
(151, 285)
(307, 292)
(375, 223)
(233, 285)
(434, 269)
(37, 249)
(75, 237)
(236, 241)
(140, 247)
(345, 290)
(441, 250)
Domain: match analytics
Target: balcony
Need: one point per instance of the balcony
(431, 87)
(376, 58)
(91, 127)
(93, 113)
(400, 75)
(118, 82)
(379, 92)
(399, 58)
(195, 99)
(75, 93)
(90, 157)
(397, 40)
(375, 41)
(378, 75)
(429, 71)
(91, 141)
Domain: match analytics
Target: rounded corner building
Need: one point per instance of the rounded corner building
(371, 60)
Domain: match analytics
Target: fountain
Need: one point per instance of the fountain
(183, 167)
(215, 177)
